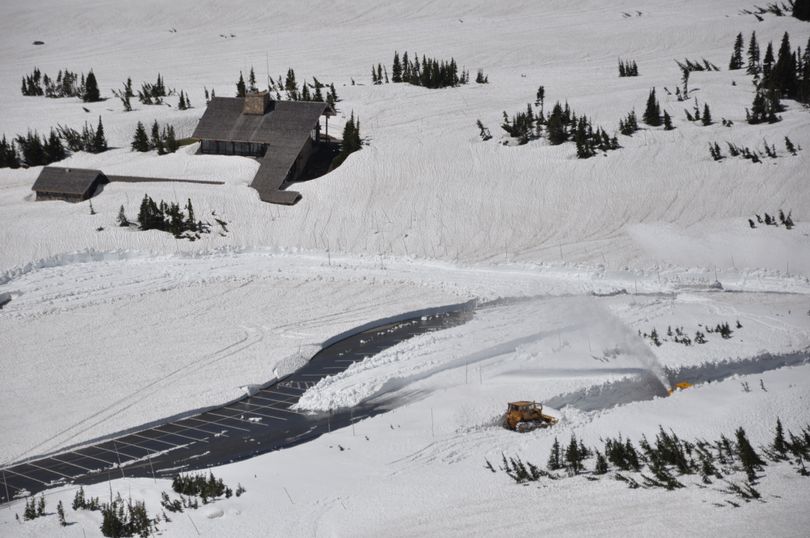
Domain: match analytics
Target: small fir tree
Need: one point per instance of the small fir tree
(754, 67)
(736, 61)
(240, 86)
(156, 140)
(99, 140)
(749, 459)
(140, 142)
(707, 115)
(123, 221)
(170, 143)
(668, 122)
(91, 93)
(652, 112)
(60, 511)
(396, 69)
(601, 466)
(555, 458)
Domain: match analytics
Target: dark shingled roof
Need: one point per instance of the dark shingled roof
(76, 181)
(285, 128)
(223, 120)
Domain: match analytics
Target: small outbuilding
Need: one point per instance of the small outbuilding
(68, 184)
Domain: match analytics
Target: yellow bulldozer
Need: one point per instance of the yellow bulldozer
(525, 416)
(683, 385)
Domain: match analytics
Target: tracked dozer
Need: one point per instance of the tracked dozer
(525, 416)
(683, 385)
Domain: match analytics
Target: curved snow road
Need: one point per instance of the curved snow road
(258, 423)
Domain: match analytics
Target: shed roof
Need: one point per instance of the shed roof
(223, 120)
(78, 181)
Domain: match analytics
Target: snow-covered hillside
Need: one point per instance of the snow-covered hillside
(571, 261)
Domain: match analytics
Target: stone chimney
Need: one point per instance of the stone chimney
(256, 103)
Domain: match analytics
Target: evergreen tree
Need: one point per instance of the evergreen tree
(140, 141)
(91, 93)
(396, 69)
(191, 223)
(784, 72)
(54, 151)
(170, 142)
(573, 456)
(555, 128)
(754, 67)
(290, 85)
(736, 61)
(41, 506)
(801, 10)
(240, 86)
(252, 80)
(60, 511)
(99, 140)
(157, 141)
(789, 146)
(779, 444)
(601, 464)
(122, 218)
(767, 62)
(555, 458)
(181, 105)
(707, 115)
(318, 95)
(652, 112)
(667, 122)
(351, 140)
(749, 459)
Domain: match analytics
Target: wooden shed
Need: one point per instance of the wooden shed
(67, 184)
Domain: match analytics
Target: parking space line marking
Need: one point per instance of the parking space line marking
(117, 453)
(54, 458)
(49, 470)
(26, 476)
(188, 427)
(274, 400)
(218, 422)
(255, 413)
(175, 445)
(274, 409)
(180, 435)
(93, 457)
(239, 419)
(290, 395)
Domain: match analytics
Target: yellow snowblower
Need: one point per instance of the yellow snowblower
(525, 416)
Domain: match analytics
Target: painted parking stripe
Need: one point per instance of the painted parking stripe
(175, 445)
(26, 476)
(239, 419)
(251, 412)
(93, 457)
(218, 422)
(189, 427)
(85, 469)
(289, 395)
(180, 435)
(289, 402)
(273, 408)
(117, 453)
(49, 470)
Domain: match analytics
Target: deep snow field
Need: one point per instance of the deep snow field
(570, 261)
